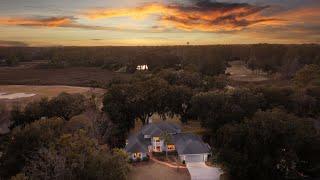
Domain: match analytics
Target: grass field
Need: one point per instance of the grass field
(29, 74)
(43, 91)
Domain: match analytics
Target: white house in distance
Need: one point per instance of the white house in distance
(189, 147)
(143, 67)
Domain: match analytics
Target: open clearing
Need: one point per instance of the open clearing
(15, 95)
(22, 94)
(45, 91)
(239, 72)
(155, 171)
(29, 74)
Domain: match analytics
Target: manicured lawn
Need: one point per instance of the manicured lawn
(155, 171)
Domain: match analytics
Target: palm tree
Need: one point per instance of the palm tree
(166, 137)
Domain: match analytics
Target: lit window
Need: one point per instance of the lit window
(171, 147)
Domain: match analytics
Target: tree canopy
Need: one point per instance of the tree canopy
(215, 108)
(47, 149)
(64, 106)
(309, 74)
(270, 145)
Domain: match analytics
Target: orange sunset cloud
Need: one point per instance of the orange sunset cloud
(47, 22)
(53, 22)
(203, 16)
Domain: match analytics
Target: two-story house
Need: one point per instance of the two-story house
(149, 139)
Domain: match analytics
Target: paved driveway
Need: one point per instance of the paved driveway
(200, 171)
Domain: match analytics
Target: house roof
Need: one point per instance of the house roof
(155, 129)
(187, 143)
(137, 143)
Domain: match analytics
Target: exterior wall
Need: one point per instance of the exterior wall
(157, 146)
(150, 148)
(182, 158)
(135, 156)
(185, 156)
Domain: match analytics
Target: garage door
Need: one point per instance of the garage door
(195, 158)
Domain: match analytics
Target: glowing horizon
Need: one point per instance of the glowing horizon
(141, 22)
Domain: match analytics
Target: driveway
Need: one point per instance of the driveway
(200, 171)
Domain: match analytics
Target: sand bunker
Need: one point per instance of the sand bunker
(15, 95)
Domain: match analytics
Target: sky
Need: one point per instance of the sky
(157, 22)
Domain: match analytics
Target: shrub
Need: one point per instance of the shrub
(145, 158)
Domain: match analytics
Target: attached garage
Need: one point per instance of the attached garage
(191, 148)
(194, 157)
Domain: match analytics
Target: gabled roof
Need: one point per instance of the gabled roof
(155, 129)
(136, 143)
(187, 143)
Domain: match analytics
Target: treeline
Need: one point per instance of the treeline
(211, 60)
(64, 106)
(263, 132)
